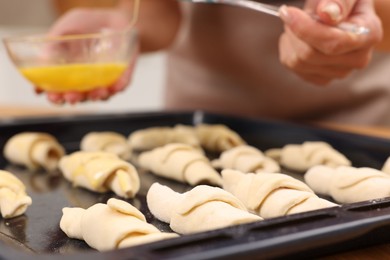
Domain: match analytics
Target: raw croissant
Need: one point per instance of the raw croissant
(100, 172)
(217, 138)
(272, 194)
(180, 162)
(348, 184)
(246, 158)
(303, 157)
(153, 137)
(200, 209)
(114, 225)
(13, 198)
(106, 142)
(386, 166)
(34, 150)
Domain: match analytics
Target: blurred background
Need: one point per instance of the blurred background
(18, 17)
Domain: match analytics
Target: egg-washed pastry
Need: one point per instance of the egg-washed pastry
(217, 137)
(111, 142)
(114, 225)
(34, 150)
(272, 194)
(200, 209)
(101, 172)
(301, 157)
(386, 166)
(153, 137)
(180, 162)
(13, 198)
(347, 184)
(246, 159)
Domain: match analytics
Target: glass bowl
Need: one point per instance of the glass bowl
(73, 62)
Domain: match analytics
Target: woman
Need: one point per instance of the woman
(232, 60)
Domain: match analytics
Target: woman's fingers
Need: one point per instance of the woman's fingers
(318, 52)
(38, 90)
(334, 11)
(326, 39)
(55, 98)
(73, 97)
(296, 52)
(308, 62)
(98, 94)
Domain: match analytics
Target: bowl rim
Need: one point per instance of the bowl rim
(39, 38)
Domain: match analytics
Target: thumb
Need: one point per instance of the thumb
(334, 11)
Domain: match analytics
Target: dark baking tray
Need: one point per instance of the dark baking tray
(318, 233)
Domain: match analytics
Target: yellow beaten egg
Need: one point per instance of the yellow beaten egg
(79, 77)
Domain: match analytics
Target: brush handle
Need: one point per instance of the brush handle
(274, 10)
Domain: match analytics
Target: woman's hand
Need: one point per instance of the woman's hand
(317, 51)
(90, 20)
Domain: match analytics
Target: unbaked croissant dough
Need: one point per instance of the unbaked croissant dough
(100, 172)
(34, 150)
(246, 158)
(214, 138)
(114, 225)
(302, 157)
(111, 142)
(153, 137)
(272, 194)
(348, 184)
(13, 198)
(200, 209)
(386, 166)
(180, 162)
(217, 137)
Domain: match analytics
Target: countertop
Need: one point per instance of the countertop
(30, 111)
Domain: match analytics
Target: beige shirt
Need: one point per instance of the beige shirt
(226, 60)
